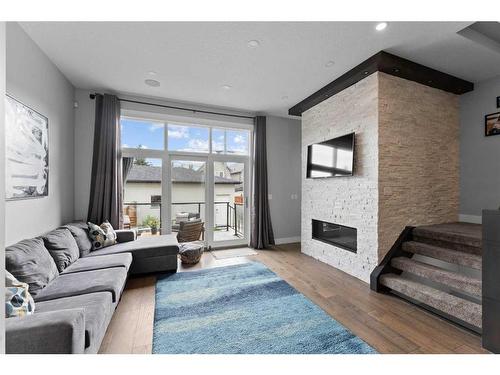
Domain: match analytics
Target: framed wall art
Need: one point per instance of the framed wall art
(492, 124)
(27, 151)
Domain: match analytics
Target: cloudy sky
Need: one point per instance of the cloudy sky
(150, 135)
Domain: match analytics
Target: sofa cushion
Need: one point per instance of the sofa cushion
(144, 247)
(62, 247)
(101, 236)
(98, 263)
(78, 283)
(80, 232)
(30, 262)
(98, 309)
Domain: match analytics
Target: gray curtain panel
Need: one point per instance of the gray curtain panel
(262, 230)
(106, 186)
(127, 163)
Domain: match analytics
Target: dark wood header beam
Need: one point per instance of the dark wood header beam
(390, 64)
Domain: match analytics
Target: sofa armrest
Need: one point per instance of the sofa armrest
(126, 235)
(53, 332)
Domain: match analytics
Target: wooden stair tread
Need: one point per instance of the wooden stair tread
(447, 255)
(452, 279)
(457, 307)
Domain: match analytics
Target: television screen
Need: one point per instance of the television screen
(332, 158)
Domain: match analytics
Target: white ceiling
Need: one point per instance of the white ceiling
(193, 60)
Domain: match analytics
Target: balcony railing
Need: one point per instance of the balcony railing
(232, 217)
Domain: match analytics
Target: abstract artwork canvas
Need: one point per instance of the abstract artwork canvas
(27, 152)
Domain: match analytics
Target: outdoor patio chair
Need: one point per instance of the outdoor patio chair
(190, 231)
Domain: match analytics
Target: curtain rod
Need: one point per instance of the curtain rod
(92, 96)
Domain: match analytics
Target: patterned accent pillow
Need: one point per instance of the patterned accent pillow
(18, 301)
(108, 228)
(101, 236)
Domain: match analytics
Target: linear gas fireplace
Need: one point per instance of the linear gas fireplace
(335, 234)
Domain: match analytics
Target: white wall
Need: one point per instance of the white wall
(479, 155)
(284, 176)
(2, 185)
(34, 80)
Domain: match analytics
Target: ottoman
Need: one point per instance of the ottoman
(191, 252)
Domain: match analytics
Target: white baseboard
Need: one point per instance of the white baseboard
(281, 241)
(475, 219)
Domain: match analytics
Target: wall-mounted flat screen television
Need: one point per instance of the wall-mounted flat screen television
(332, 158)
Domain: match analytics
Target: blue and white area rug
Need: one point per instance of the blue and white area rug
(243, 309)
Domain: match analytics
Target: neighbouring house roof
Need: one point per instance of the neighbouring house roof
(147, 173)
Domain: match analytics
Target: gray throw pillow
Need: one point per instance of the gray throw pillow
(80, 232)
(62, 247)
(30, 262)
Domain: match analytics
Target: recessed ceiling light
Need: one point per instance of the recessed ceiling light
(381, 26)
(152, 73)
(253, 43)
(226, 87)
(330, 64)
(152, 82)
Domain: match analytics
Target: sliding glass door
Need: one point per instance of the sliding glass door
(188, 191)
(230, 197)
(176, 173)
(213, 192)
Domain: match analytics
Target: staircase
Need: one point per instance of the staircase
(437, 267)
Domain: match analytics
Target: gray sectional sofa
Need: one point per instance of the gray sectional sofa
(76, 296)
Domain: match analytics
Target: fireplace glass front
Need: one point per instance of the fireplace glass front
(335, 234)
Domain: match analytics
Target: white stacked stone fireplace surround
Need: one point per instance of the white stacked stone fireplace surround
(405, 167)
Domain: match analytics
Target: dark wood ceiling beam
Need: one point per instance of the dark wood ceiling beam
(389, 64)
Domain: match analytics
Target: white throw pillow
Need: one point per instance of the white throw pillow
(101, 236)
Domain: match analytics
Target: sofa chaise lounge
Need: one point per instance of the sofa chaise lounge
(73, 307)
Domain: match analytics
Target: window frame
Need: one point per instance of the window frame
(167, 156)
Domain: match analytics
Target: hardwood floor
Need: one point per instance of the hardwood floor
(387, 323)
